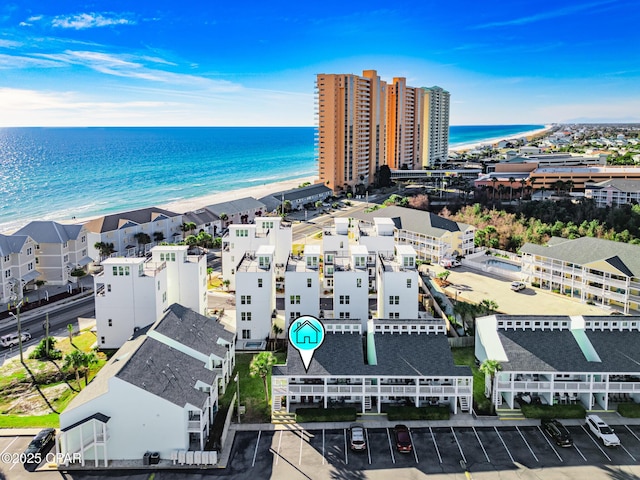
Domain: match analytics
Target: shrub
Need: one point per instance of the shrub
(629, 410)
(553, 411)
(342, 414)
(418, 413)
(40, 352)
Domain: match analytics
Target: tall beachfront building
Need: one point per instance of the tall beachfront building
(351, 127)
(404, 123)
(435, 137)
(364, 123)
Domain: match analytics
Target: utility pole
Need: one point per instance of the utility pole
(46, 335)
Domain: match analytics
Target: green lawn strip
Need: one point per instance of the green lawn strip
(342, 414)
(466, 356)
(418, 413)
(629, 410)
(553, 411)
(35, 421)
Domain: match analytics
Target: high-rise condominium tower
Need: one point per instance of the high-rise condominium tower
(404, 124)
(435, 138)
(351, 128)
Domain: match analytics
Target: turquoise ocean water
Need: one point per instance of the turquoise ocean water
(58, 173)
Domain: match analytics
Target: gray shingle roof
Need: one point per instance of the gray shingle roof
(193, 330)
(167, 373)
(343, 354)
(50, 232)
(299, 193)
(413, 220)
(581, 251)
(11, 243)
(618, 350)
(200, 217)
(233, 207)
(620, 184)
(109, 223)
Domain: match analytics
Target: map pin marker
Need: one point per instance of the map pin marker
(306, 334)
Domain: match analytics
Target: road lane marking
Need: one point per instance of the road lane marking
(390, 447)
(503, 444)
(366, 433)
(458, 443)
(301, 439)
(632, 433)
(527, 444)
(279, 443)
(413, 445)
(481, 445)
(628, 452)
(323, 446)
(7, 447)
(433, 438)
(255, 451)
(346, 455)
(550, 444)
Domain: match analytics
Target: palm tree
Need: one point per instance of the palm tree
(261, 366)
(494, 180)
(70, 330)
(142, 238)
(78, 361)
(105, 249)
(532, 182)
(489, 369)
(224, 217)
(511, 182)
(277, 330)
(523, 184)
(158, 236)
(489, 306)
(558, 185)
(569, 184)
(188, 227)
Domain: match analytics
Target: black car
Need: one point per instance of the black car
(557, 432)
(403, 439)
(39, 447)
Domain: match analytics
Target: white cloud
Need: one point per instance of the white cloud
(20, 61)
(83, 21)
(9, 43)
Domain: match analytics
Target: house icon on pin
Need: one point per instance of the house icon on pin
(306, 333)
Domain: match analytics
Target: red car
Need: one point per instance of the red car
(403, 439)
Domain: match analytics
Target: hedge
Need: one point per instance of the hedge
(342, 414)
(554, 411)
(418, 413)
(630, 410)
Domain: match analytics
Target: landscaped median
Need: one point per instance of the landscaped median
(629, 410)
(553, 411)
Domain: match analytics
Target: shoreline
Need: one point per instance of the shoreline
(491, 141)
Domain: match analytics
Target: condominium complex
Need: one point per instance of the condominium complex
(364, 123)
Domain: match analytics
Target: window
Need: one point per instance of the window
(7, 273)
(408, 283)
(309, 283)
(264, 262)
(245, 299)
(294, 315)
(294, 299)
(108, 287)
(259, 283)
(358, 282)
(29, 266)
(83, 238)
(395, 315)
(102, 340)
(246, 334)
(344, 299)
(408, 261)
(7, 258)
(164, 297)
(245, 316)
(345, 314)
(37, 261)
(65, 244)
(158, 285)
(29, 251)
(394, 300)
(267, 224)
(242, 233)
(37, 246)
(360, 262)
(312, 261)
(84, 252)
(115, 271)
(110, 322)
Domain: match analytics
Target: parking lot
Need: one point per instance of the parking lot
(298, 453)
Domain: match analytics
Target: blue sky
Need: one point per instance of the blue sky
(254, 63)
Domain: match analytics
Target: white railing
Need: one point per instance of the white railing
(626, 387)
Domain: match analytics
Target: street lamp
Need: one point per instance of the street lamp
(17, 317)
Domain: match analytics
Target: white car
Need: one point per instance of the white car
(12, 339)
(603, 431)
(517, 286)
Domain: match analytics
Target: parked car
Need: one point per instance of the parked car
(603, 431)
(356, 437)
(517, 286)
(403, 439)
(557, 432)
(449, 263)
(12, 339)
(39, 446)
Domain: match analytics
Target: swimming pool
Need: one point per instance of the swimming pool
(503, 265)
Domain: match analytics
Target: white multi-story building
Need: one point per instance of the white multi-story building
(613, 192)
(240, 210)
(186, 276)
(351, 284)
(302, 284)
(248, 238)
(123, 229)
(255, 294)
(130, 293)
(59, 249)
(398, 283)
(435, 132)
(604, 272)
(393, 363)
(17, 266)
(158, 393)
(587, 360)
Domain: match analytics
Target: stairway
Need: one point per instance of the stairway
(282, 417)
(464, 404)
(508, 414)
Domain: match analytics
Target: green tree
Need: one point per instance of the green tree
(158, 237)
(489, 368)
(70, 330)
(79, 362)
(142, 238)
(488, 306)
(188, 227)
(104, 249)
(512, 180)
(261, 366)
(384, 176)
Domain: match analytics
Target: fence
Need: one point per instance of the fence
(457, 342)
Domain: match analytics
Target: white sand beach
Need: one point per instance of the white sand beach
(491, 141)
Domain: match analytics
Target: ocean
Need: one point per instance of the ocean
(60, 173)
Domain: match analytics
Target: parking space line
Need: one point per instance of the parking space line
(390, 447)
(433, 438)
(413, 444)
(301, 439)
(346, 454)
(550, 444)
(323, 446)
(578, 450)
(7, 447)
(366, 434)
(255, 451)
(595, 443)
(458, 443)
(279, 443)
(632, 433)
(628, 452)
(527, 444)
(481, 445)
(503, 444)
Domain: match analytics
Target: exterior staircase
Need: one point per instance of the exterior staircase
(508, 414)
(282, 417)
(464, 404)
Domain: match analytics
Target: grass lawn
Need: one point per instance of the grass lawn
(35, 421)
(466, 356)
